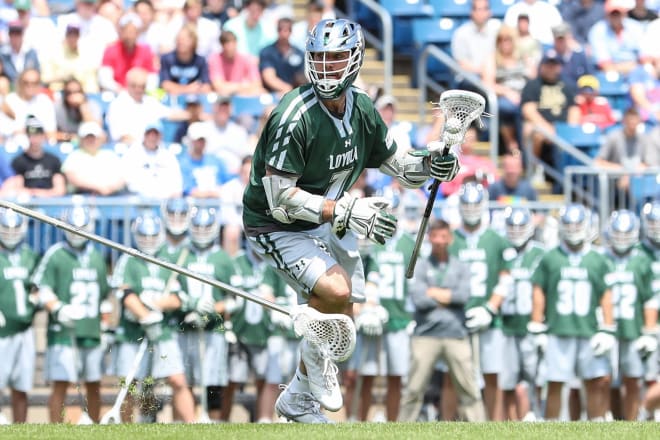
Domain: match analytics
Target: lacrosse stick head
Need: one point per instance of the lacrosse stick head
(85, 419)
(459, 108)
(332, 331)
(112, 417)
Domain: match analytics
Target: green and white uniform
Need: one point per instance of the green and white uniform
(75, 277)
(573, 284)
(283, 357)
(16, 336)
(327, 155)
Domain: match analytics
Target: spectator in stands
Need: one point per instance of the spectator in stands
(473, 42)
(232, 207)
(651, 147)
(543, 16)
(39, 32)
(220, 11)
(16, 55)
(183, 70)
(203, 174)
(5, 82)
(7, 178)
(386, 105)
(208, 32)
(227, 139)
(251, 31)
(641, 13)
(195, 110)
(313, 14)
(29, 99)
(72, 108)
(124, 55)
(132, 110)
(615, 40)
(233, 72)
(594, 109)
(282, 65)
(70, 60)
(645, 90)
(649, 48)
(512, 184)
(153, 32)
(91, 169)
(506, 73)
(574, 59)
(529, 47)
(38, 173)
(581, 15)
(544, 101)
(151, 170)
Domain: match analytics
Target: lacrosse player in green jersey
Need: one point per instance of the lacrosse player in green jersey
(207, 258)
(487, 254)
(72, 282)
(17, 261)
(146, 292)
(297, 212)
(569, 285)
(518, 348)
(635, 309)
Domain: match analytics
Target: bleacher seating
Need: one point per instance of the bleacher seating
(459, 9)
(436, 31)
(615, 88)
(585, 137)
(404, 14)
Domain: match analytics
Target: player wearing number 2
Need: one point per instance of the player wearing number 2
(17, 261)
(568, 288)
(297, 213)
(72, 282)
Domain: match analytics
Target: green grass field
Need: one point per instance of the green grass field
(380, 431)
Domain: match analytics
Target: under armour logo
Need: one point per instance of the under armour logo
(347, 143)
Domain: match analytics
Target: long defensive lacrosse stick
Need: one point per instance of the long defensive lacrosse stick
(335, 332)
(459, 108)
(84, 419)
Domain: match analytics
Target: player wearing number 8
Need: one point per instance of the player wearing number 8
(568, 288)
(72, 282)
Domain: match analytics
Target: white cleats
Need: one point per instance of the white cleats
(322, 375)
(299, 407)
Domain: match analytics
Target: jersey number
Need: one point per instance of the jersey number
(520, 303)
(574, 297)
(479, 274)
(21, 298)
(391, 281)
(624, 297)
(86, 294)
(337, 183)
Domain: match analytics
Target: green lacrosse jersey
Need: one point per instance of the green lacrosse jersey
(16, 266)
(573, 285)
(485, 251)
(326, 153)
(284, 295)
(75, 277)
(213, 263)
(250, 322)
(517, 307)
(630, 282)
(654, 255)
(392, 260)
(140, 276)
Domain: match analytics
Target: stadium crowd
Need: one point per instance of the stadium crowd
(111, 98)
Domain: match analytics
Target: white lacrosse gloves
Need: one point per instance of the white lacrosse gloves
(150, 299)
(444, 167)
(479, 318)
(371, 320)
(365, 216)
(648, 342)
(204, 305)
(604, 340)
(281, 321)
(151, 324)
(68, 314)
(538, 332)
(230, 336)
(3, 321)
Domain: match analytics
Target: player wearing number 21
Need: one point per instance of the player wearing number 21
(569, 286)
(297, 213)
(72, 282)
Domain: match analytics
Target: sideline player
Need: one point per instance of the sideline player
(297, 214)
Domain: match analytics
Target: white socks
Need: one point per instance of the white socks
(299, 383)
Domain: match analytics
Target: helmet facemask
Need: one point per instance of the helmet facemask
(176, 215)
(204, 227)
(472, 203)
(13, 228)
(148, 234)
(623, 231)
(519, 226)
(574, 226)
(80, 218)
(651, 222)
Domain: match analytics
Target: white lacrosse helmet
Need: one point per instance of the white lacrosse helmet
(574, 224)
(176, 215)
(148, 233)
(204, 227)
(519, 225)
(651, 222)
(331, 36)
(79, 217)
(472, 202)
(623, 230)
(13, 228)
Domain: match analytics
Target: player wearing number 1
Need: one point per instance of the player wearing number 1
(297, 213)
(17, 261)
(72, 282)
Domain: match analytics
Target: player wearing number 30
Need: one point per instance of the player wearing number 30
(72, 282)
(297, 212)
(17, 261)
(568, 288)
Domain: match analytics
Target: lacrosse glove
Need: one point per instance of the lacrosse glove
(152, 325)
(365, 216)
(538, 332)
(444, 167)
(604, 340)
(479, 318)
(68, 314)
(371, 320)
(648, 342)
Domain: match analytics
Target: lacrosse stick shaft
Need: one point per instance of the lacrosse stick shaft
(84, 416)
(136, 253)
(422, 228)
(201, 334)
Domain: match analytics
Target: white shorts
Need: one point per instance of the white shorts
(568, 357)
(303, 257)
(283, 359)
(18, 359)
(246, 358)
(216, 358)
(631, 363)
(160, 361)
(521, 362)
(491, 346)
(67, 364)
(386, 355)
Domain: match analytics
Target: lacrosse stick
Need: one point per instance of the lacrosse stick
(459, 108)
(85, 419)
(327, 330)
(204, 416)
